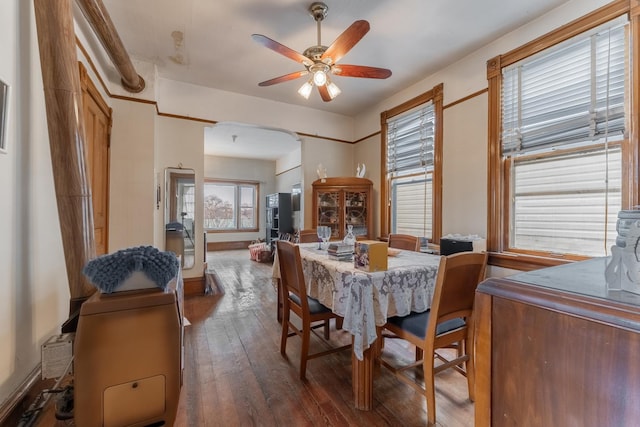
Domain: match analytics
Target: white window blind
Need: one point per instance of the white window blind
(570, 94)
(410, 139)
(410, 144)
(412, 206)
(568, 203)
(563, 112)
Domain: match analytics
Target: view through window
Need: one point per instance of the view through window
(230, 205)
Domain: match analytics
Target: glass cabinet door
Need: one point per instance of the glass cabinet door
(329, 211)
(340, 202)
(355, 212)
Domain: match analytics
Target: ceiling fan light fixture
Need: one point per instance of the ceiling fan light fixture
(333, 89)
(305, 89)
(320, 78)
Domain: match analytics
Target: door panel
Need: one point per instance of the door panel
(97, 120)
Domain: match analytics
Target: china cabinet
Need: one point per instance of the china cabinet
(339, 202)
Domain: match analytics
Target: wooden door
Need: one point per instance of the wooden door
(97, 121)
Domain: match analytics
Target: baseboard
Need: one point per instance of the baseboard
(228, 246)
(17, 403)
(193, 286)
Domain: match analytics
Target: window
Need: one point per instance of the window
(230, 205)
(561, 156)
(412, 140)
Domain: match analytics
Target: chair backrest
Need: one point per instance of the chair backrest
(291, 275)
(404, 241)
(458, 276)
(307, 236)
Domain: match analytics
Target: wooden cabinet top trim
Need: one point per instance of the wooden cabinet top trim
(341, 181)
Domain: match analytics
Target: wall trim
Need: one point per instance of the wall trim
(366, 137)
(228, 246)
(466, 98)
(18, 401)
(193, 286)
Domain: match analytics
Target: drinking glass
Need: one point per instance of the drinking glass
(320, 233)
(326, 235)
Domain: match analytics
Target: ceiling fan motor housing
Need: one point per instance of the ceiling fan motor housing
(318, 10)
(314, 52)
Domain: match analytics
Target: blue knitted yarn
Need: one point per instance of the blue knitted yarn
(108, 272)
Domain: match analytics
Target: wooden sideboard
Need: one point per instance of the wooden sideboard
(555, 348)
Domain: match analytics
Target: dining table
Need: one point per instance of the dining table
(365, 299)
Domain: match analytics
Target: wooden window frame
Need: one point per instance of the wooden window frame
(436, 96)
(498, 185)
(237, 183)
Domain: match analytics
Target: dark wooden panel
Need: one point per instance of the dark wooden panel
(228, 246)
(556, 347)
(555, 368)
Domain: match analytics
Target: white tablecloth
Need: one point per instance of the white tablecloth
(367, 299)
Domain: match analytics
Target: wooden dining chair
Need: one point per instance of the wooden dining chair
(307, 236)
(404, 241)
(304, 236)
(448, 324)
(296, 300)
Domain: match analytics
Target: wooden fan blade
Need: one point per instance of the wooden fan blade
(346, 41)
(360, 71)
(324, 93)
(285, 78)
(281, 49)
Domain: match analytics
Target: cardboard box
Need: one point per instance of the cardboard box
(370, 255)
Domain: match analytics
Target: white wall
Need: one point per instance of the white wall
(196, 101)
(367, 152)
(181, 142)
(336, 157)
(464, 169)
(289, 161)
(34, 290)
(132, 176)
(286, 180)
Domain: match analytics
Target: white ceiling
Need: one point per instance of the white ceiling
(231, 139)
(209, 43)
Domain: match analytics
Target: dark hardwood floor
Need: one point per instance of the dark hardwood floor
(235, 375)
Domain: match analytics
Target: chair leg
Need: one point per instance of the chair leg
(326, 330)
(470, 366)
(419, 354)
(285, 334)
(339, 321)
(304, 350)
(279, 307)
(430, 392)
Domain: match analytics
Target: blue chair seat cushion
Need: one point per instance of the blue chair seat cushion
(416, 323)
(315, 307)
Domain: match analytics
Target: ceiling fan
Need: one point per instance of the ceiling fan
(321, 61)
